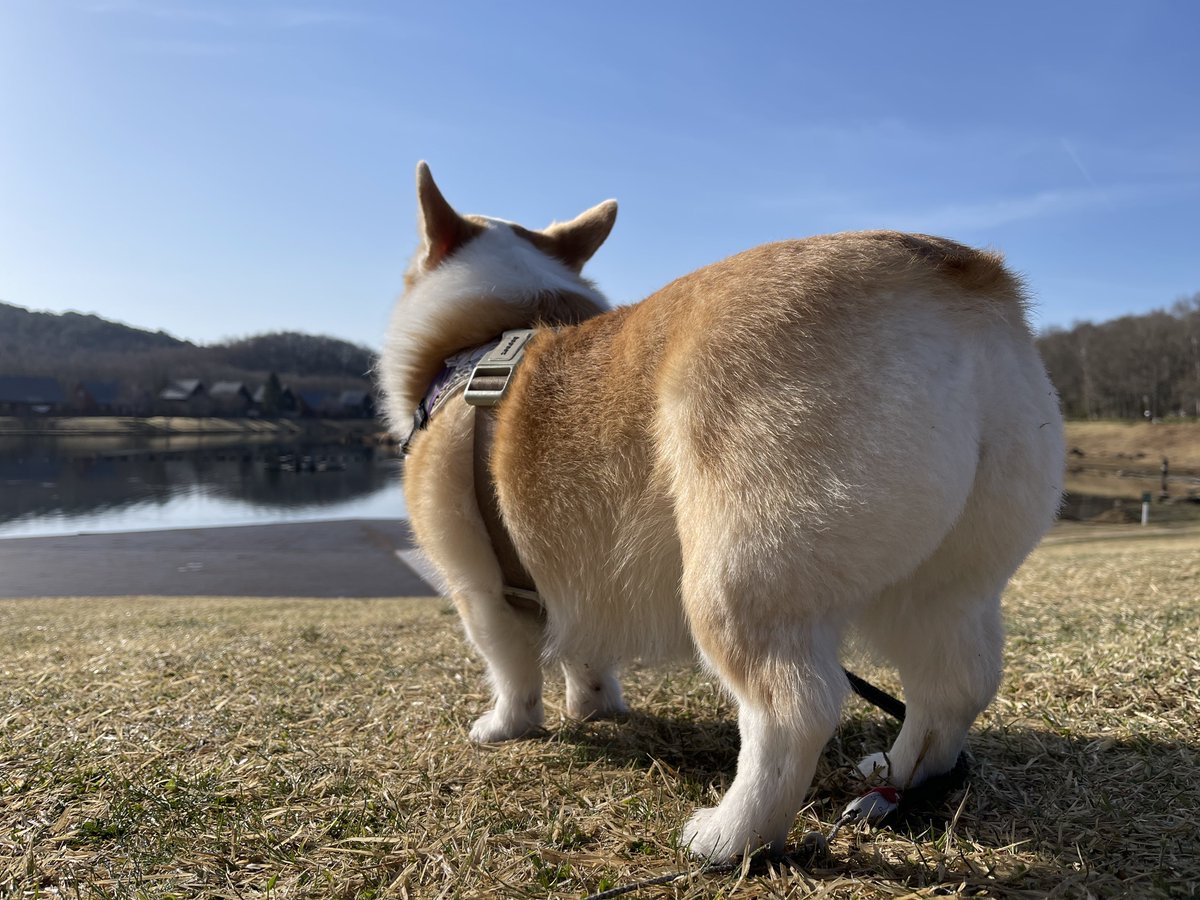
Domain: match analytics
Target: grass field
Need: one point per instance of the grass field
(262, 748)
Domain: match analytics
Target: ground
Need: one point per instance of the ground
(255, 748)
(1142, 441)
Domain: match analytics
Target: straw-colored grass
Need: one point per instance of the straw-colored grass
(300, 748)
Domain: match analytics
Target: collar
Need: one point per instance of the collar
(484, 372)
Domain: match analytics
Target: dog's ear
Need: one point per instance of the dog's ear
(442, 229)
(576, 241)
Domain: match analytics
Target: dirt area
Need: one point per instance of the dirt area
(1122, 461)
(1135, 445)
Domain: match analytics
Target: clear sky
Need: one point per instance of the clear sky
(217, 168)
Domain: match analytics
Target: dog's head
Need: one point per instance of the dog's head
(445, 232)
(474, 277)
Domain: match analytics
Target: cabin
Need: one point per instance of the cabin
(357, 404)
(184, 397)
(317, 403)
(99, 398)
(285, 404)
(22, 395)
(230, 398)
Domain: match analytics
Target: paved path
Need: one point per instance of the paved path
(304, 559)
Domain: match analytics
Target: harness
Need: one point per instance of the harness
(484, 374)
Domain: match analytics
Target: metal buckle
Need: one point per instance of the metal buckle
(499, 362)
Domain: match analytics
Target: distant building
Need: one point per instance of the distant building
(358, 404)
(185, 397)
(230, 398)
(22, 395)
(99, 398)
(183, 390)
(286, 405)
(317, 403)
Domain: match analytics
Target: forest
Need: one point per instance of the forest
(1135, 367)
(75, 347)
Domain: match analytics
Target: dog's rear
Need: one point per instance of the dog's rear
(847, 431)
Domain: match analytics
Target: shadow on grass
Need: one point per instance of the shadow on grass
(1038, 810)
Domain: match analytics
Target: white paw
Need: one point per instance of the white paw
(598, 703)
(593, 694)
(874, 767)
(709, 836)
(496, 726)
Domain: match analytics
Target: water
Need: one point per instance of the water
(53, 486)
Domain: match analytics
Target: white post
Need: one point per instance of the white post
(1146, 508)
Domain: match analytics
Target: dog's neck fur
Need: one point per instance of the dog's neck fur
(495, 282)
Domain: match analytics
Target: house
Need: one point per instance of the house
(357, 404)
(22, 395)
(98, 398)
(285, 404)
(185, 397)
(230, 398)
(317, 402)
(183, 390)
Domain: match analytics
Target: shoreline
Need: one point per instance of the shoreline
(170, 426)
(327, 558)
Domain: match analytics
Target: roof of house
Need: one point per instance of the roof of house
(182, 389)
(27, 389)
(260, 392)
(105, 392)
(315, 398)
(228, 389)
(353, 398)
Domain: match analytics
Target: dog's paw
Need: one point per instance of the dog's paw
(874, 767)
(710, 837)
(494, 727)
(594, 697)
(596, 704)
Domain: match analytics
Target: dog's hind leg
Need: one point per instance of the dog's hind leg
(784, 671)
(941, 626)
(949, 659)
(510, 641)
(593, 691)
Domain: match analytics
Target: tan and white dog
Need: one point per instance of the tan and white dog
(851, 432)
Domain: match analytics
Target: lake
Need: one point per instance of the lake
(64, 485)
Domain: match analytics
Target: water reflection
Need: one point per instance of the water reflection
(52, 485)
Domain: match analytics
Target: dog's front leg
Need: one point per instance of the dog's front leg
(510, 641)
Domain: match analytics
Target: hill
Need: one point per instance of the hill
(74, 347)
(25, 332)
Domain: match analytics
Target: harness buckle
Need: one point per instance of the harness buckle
(493, 373)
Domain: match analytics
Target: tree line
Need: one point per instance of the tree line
(75, 347)
(1134, 367)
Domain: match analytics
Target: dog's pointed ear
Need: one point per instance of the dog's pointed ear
(576, 241)
(442, 229)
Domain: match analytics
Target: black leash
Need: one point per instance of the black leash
(876, 697)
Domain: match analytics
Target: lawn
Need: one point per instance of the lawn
(302, 748)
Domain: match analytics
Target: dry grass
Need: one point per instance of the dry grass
(257, 748)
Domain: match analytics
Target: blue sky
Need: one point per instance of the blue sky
(219, 168)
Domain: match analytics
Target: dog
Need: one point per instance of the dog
(849, 433)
